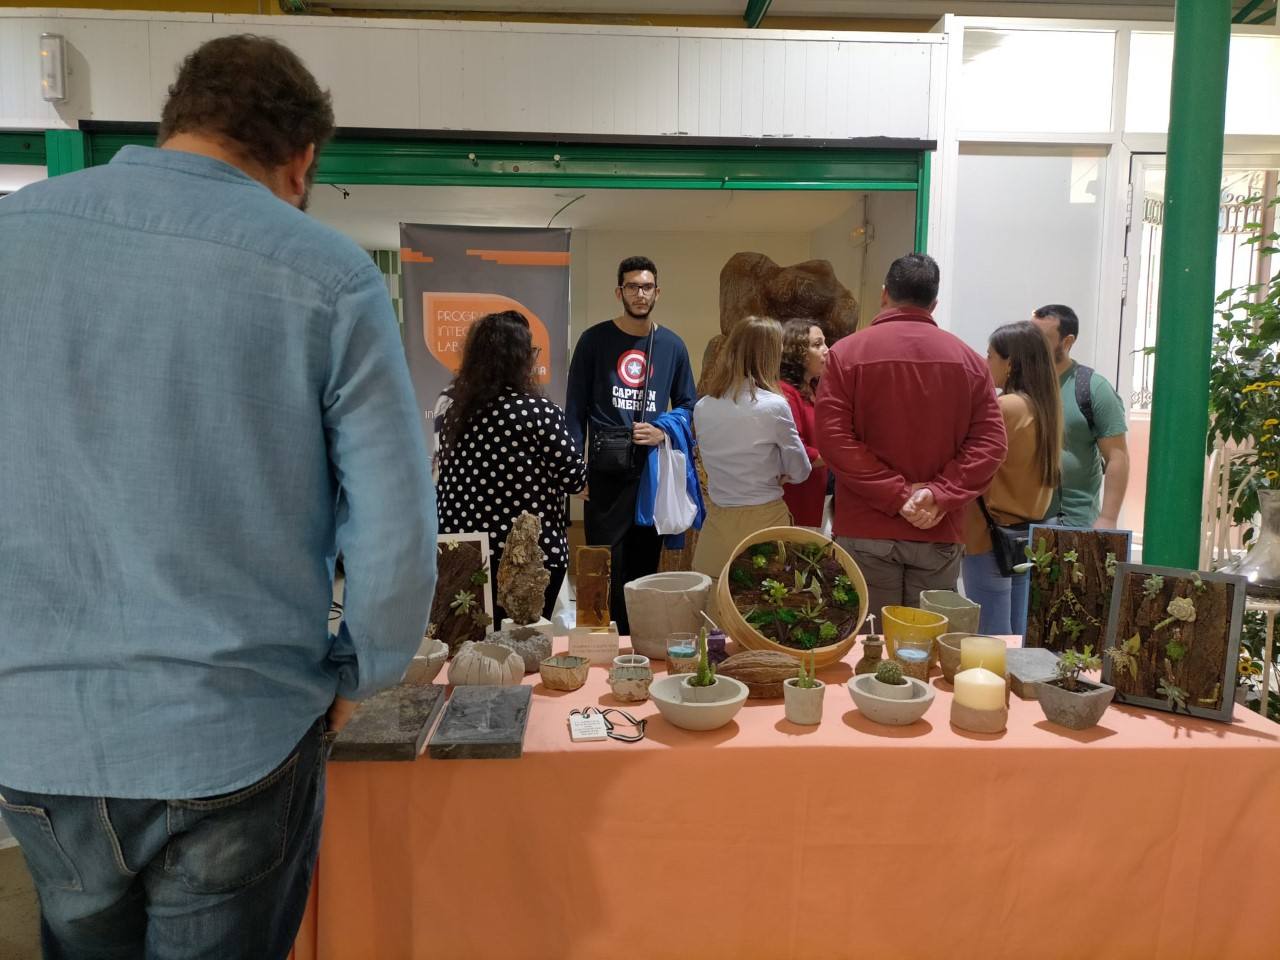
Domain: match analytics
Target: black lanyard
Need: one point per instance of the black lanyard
(608, 724)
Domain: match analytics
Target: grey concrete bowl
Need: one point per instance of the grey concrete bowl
(892, 713)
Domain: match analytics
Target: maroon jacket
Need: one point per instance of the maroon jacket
(903, 402)
(805, 500)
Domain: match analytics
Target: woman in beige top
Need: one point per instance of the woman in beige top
(1022, 366)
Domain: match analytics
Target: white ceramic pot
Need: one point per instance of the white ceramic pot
(722, 689)
(427, 663)
(666, 693)
(662, 604)
(803, 704)
(481, 663)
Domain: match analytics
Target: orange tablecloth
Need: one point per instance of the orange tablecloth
(1150, 836)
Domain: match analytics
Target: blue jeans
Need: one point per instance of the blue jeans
(1003, 599)
(216, 878)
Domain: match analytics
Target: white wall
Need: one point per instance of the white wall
(688, 272)
(861, 259)
(419, 74)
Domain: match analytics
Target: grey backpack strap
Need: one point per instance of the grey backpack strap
(1084, 393)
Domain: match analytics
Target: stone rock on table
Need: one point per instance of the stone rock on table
(1027, 666)
(391, 725)
(483, 723)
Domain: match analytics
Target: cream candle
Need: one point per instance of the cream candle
(986, 652)
(979, 689)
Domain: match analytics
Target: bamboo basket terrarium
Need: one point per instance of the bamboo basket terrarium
(792, 591)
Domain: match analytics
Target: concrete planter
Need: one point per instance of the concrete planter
(662, 604)
(1075, 711)
(723, 689)
(667, 692)
(890, 712)
(962, 613)
(803, 704)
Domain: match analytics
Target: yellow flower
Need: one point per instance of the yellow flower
(1251, 388)
(1266, 438)
(1270, 423)
(1273, 474)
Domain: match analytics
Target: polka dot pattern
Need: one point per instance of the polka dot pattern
(515, 455)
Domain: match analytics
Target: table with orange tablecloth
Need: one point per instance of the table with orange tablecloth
(1150, 836)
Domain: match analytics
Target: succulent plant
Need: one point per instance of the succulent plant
(890, 672)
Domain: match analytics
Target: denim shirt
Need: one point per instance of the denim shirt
(202, 396)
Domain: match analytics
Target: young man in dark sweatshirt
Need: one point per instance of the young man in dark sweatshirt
(624, 373)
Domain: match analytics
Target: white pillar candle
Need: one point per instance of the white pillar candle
(987, 652)
(979, 689)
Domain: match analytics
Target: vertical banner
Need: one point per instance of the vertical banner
(453, 276)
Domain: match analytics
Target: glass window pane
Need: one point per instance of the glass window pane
(1029, 81)
(1254, 64)
(1028, 232)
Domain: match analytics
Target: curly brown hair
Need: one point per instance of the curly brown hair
(253, 91)
(498, 357)
(795, 354)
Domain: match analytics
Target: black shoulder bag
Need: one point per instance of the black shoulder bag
(1008, 543)
(611, 449)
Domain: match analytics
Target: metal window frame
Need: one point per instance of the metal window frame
(488, 159)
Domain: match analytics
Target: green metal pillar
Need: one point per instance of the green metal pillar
(66, 151)
(1180, 396)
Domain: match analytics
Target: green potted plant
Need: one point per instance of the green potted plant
(703, 686)
(793, 591)
(889, 697)
(802, 695)
(701, 700)
(1069, 701)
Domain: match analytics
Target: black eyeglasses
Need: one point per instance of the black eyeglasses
(634, 288)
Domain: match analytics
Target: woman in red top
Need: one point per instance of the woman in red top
(804, 356)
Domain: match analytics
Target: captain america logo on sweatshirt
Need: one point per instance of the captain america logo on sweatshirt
(631, 368)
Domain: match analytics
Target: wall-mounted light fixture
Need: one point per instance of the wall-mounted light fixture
(53, 67)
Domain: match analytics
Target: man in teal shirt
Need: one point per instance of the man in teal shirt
(1095, 457)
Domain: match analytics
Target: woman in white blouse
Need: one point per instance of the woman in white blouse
(748, 443)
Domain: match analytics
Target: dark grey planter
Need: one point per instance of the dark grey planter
(1075, 711)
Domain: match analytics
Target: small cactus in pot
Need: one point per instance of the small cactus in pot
(803, 694)
(889, 682)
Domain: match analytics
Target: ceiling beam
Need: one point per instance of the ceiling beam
(756, 9)
(1247, 9)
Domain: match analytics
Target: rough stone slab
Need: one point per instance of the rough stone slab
(391, 725)
(1027, 666)
(482, 723)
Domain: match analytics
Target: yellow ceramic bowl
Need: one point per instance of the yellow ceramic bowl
(908, 623)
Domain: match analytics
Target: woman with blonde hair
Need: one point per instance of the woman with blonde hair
(1031, 404)
(748, 443)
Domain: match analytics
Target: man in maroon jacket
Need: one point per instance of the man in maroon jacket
(907, 419)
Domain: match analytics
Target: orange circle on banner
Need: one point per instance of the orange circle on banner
(446, 318)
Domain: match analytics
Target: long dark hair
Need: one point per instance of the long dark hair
(795, 355)
(1032, 375)
(498, 357)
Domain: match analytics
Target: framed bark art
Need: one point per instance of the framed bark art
(1173, 641)
(1070, 580)
(463, 606)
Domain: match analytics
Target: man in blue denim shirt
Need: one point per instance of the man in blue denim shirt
(203, 398)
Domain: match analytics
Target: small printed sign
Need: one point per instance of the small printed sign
(587, 727)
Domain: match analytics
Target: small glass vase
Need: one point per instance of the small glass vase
(872, 654)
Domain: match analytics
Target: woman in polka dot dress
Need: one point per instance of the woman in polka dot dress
(504, 448)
